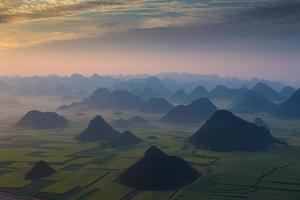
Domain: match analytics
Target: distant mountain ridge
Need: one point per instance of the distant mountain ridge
(289, 109)
(254, 104)
(155, 106)
(179, 96)
(102, 98)
(267, 92)
(196, 111)
(287, 91)
(197, 93)
(164, 83)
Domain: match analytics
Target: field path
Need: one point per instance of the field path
(4, 196)
(130, 194)
(268, 173)
(206, 172)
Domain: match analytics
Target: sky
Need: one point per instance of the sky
(243, 38)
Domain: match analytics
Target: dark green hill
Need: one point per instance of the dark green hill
(40, 170)
(226, 132)
(158, 171)
(98, 129)
(198, 110)
(42, 120)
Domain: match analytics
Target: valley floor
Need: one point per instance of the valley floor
(89, 171)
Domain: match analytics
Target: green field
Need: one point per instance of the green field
(89, 171)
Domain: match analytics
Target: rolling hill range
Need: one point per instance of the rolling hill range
(103, 99)
(226, 132)
(196, 111)
(42, 120)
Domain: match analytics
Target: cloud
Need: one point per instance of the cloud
(271, 13)
(205, 20)
(14, 38)
(27, 39)
(32, 10)
(167, 22)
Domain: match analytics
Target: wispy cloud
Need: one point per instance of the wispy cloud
(31, 22)
(12, 11)
(26, 39)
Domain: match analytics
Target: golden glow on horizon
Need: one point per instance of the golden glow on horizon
(233, 38)
(140, 63)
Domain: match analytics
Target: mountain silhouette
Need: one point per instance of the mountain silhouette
(61, 90)
(102, 98)
(254, 104)
(118, 99)
(226, 132)
(267, 92)
(245, 95)
(98, 129)
(42, 120)
(287, 91)
(196, 111)
(290, 108)
(197, 93)
(220, 92)
(158, 171)
(126, 138)
(178, 96)
(40, 170)
(145, 93)
(156, 106)
(155, 84)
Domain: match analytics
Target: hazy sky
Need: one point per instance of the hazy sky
(244, 38)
